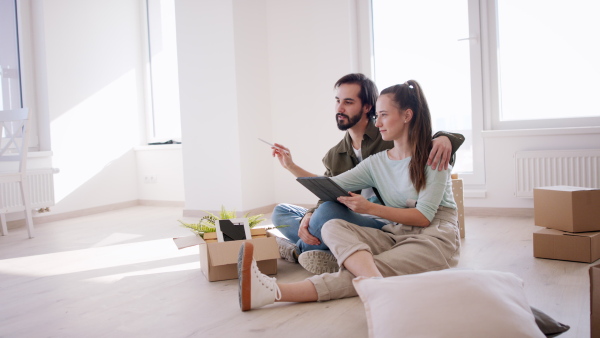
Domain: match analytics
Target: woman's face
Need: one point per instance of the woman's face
(392, 122)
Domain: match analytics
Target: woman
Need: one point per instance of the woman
(421, 228)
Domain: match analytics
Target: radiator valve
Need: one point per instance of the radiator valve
(46, 209)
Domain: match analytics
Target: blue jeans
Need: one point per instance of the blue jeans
(288, 214)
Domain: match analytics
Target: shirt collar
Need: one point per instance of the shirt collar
(370, 133)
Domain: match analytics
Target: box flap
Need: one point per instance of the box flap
(187, 241)
(565, 188)
(227, 252)
(549, 231)
(265, 248)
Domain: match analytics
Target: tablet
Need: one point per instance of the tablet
(324, 187)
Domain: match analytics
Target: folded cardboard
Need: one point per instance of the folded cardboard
(211, 237)
(218, 260)
(595, 300)
(567, 246)
(566, 208)
(457, 189)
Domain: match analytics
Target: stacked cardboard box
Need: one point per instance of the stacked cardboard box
(571, 216)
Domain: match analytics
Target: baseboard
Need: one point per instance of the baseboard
(152, 203)
(40, 218)
(510, 212)
(267, 209)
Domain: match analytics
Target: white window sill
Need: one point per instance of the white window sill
(158, 147)
(541, 132)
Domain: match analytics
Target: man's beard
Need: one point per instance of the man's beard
(351, 121)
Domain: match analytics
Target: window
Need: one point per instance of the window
(428, 41)
(492, 64)
(164, 121)
(10, 74)
(546, 61)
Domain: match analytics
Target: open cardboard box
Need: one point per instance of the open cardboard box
(567, 246)
(573, 209)
(218, 261)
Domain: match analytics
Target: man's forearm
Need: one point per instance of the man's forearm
(455, 139)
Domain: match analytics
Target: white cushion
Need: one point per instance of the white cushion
(448, 303)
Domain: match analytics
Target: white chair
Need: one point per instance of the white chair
(14, 141)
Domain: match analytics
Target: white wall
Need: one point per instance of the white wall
(267, 70)
(310, 48)
(500, 148)
(209, 104)
(159, 173)
(90, 76)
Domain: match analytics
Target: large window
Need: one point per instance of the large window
(493, 64)
(10, 75)
(428, 41)
(546, 61)
(164, 118)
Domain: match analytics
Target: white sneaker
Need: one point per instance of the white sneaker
(318, 262)
(255, 288)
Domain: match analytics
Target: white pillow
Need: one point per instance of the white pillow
(448, 303)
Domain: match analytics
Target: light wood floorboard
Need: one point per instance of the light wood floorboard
(118, 274)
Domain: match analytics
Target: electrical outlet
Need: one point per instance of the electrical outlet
(150, 178)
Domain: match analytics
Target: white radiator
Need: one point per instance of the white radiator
(579, 168)
(41, 191)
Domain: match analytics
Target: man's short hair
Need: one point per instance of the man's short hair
(368, 90)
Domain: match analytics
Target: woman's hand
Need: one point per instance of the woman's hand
(356, 203)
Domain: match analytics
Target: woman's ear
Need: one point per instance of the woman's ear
(408, 115)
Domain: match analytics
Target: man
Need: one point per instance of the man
(356, 96)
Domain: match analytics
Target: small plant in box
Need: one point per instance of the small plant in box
(207, 223)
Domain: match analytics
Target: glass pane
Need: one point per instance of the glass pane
(548, 59)
(163, 68)
(419, 40)
(10, 77)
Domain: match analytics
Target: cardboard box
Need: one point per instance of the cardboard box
(457, 190)
(567, 246)
(595, 301)
(218, 261)
(565, 208)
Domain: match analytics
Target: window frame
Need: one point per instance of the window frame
(150, 113)
(366, 65)
(491, 81)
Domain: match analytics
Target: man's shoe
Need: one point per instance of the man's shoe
(255, 288)
(287, 249)
(318, 262)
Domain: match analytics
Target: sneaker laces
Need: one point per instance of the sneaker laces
(266, 281)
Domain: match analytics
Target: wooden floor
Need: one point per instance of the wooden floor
(118, 274)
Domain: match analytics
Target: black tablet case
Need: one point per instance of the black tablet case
(324, 187)
(231, 232)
